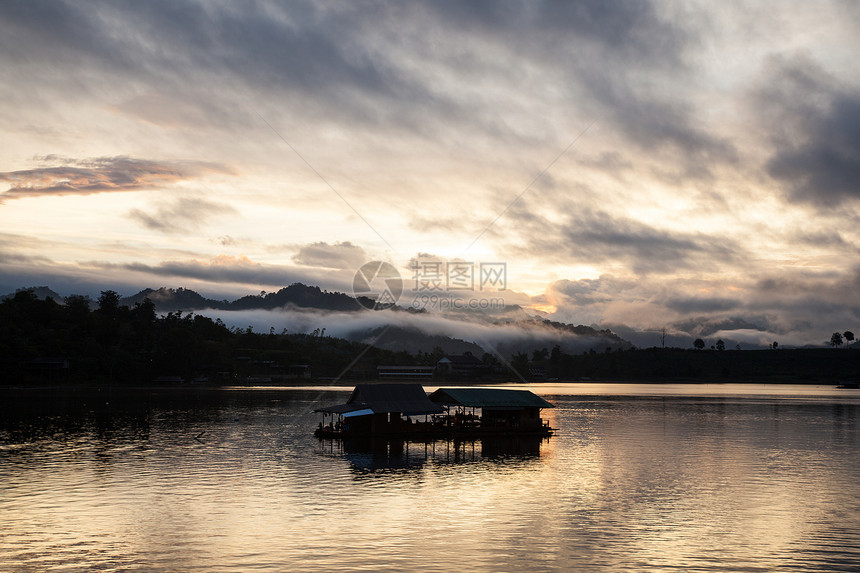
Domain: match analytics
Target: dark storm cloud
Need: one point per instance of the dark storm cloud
(599, 51)
(698, 304)
(794, 301)
(832, 289)
(180, 49)
(655, 120)
(584, 292)
(367, 63)
(607, 289)
(708, 325)
(271, 43)
(98, 175)
(588, 236)
(628, 29)
(815, 127)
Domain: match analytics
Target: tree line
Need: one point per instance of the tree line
(46, 340)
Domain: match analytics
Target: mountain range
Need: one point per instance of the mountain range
(299, 307)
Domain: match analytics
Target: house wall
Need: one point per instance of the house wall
(526, 419)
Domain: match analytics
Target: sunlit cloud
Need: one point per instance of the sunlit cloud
(99, 175)
(715, 187)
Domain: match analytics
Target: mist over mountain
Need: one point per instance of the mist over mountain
(412, 340)
(735, 333)
(301, 308)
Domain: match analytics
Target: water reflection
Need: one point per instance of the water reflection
(116, 480)
(367, 456)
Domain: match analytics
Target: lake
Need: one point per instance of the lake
(637, 478)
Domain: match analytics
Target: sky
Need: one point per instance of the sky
(680, 165)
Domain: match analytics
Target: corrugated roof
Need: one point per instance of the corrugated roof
(489, 398)
(340, 408)
(409, 399)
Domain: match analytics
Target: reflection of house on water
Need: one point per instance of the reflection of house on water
(404, 411)
(375, 455)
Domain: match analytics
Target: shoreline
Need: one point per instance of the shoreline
(348, 385)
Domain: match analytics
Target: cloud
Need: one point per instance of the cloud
(228, 270)
(699, 304)
(816, 125)
(181, 215)
(587, 236)
(433, 116)
(335, 63)
(589, 291)
(569, 32)
(223, 268)
(228, 241)
(714, 326)
(799, 307)
(98, 175)
(176, 51)
(341, 256)
(14, 258)
(503, 339)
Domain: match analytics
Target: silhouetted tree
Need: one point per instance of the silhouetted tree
(489, 359)
(78, 306)
(109, 302)
(836, 339)
(774, 345)
(107, 327)
(144, 310)
(721, 345)
(849, 336)
(698, 344)
(520, 362)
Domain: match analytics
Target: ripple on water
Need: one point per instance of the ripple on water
(627, 484)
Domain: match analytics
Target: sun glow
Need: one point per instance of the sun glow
(547, 308)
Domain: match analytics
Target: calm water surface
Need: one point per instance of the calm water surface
(637, 478)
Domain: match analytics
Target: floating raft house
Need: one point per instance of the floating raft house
(405, 411)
